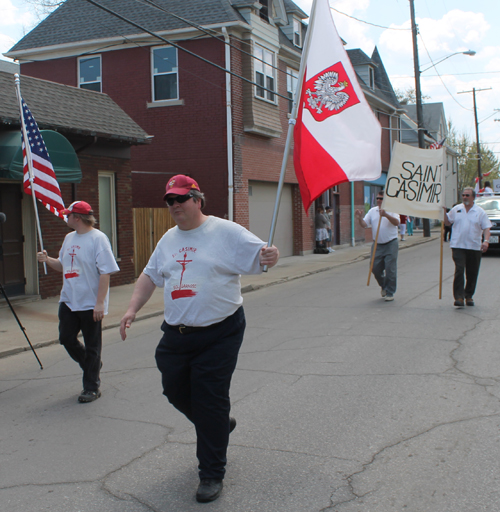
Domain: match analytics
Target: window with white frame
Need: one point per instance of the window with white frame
(292, 77)
(89, 73)
(297, 34)
(264, 73)
(107, 208)
(165, 73)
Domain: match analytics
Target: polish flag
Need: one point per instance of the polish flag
(337, 136)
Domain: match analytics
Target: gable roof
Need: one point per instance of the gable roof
(68, 110)
(382, 85)
(433, 115)
(78, 20)
(358, 57)
(382, 80)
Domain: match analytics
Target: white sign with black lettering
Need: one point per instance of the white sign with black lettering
(415, 182)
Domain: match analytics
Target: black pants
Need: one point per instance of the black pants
(88, 356)
(468, 261)
(196, 373)
(447, 233)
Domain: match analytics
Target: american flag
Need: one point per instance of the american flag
(437, 145)
(47, 189)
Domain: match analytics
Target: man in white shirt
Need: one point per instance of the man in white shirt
(385, 263)
(198, 263)
(86, 261)
(470, 225)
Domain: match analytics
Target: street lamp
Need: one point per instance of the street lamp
(471, 53)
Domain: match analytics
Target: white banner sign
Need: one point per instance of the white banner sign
(415, 182)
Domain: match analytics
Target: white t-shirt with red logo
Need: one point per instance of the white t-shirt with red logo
(84, 259)
(200, 269)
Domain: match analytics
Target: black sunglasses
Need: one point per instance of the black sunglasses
(180, 199)
(380, 198)
(466, 195)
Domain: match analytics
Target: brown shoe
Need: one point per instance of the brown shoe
(469, 302)
(459, 303)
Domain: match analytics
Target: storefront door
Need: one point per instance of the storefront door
(11, 240)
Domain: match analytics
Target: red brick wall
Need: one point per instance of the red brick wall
(260, 158)
(54, 229)
(188, 139)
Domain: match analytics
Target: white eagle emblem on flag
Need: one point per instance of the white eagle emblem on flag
(328, 94)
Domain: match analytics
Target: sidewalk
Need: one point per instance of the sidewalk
(39, 317)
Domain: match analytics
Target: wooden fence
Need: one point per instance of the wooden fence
(150, 225)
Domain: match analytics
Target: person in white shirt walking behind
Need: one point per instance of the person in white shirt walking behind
(385, 263)
(86, 261)
(470, 225)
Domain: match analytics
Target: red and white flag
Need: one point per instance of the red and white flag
(337, 136)
(46, 187)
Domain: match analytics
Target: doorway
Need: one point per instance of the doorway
(12, 240)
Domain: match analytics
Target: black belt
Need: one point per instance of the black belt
(186, 329)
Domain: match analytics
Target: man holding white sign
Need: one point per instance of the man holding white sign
(385, 262)
(470, 223)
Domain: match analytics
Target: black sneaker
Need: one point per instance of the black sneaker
(459, 303)
(89, 396)
(232, 424)
(208, 490)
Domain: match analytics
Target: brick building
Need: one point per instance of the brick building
(231, 142)
(89, 139)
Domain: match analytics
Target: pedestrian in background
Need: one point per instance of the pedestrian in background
(321, 226)
(447, 229)
(329, 216)
(402, 227)
(409, 226)
(86, 261)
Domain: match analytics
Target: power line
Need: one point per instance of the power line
(367, 22)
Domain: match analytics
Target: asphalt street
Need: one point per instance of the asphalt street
(344, 403)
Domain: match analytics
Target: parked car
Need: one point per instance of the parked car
(491, 205)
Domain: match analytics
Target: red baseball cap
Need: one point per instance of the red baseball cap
(79, 207)
(180, 185)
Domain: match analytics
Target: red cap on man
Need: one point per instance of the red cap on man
(80, 207)
(180, 185)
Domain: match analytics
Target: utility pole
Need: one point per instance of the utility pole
(418, 94)
(474, 90)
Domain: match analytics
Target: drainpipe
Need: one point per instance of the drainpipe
(229, 129)
(353, 217)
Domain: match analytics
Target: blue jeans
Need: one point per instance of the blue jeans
(385, 266)
(88, 356)
(196, 373)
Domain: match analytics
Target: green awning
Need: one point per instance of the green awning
(62, 155)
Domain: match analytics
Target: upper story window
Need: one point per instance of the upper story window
(297, 33)
(292, 78)
(264, 10)
(265, 73)
(89, 73)
(165, 73)
(372, 77)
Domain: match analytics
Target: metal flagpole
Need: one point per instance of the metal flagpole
(291, 126)
(27, 149)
